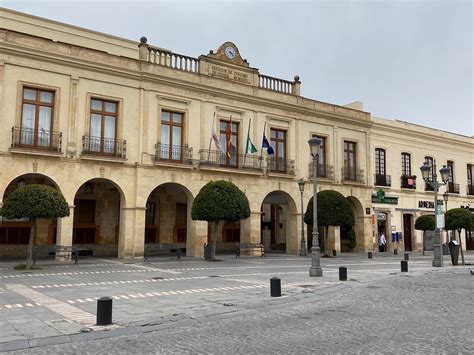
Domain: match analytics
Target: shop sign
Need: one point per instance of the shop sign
(428, 204)
(381, 198)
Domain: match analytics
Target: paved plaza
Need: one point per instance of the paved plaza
(224, 307)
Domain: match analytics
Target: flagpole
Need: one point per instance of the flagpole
(210, 140)
(247, 145)
(261, 150)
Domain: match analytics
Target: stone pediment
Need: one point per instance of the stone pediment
(229, 53)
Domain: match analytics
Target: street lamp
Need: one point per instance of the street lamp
(315, 269)
(303, 251)
(425, 172)
(445, 198)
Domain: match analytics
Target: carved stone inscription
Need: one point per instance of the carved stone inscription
(230, 74)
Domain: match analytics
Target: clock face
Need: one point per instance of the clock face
(230, 52)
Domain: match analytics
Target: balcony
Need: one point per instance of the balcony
(281, 166)
(38, 140)
(408, 182)
(470, 189)
(452, 188)
(382, 180)
(353, 175)
(323, 171)
(175, 154)
(215, 158)
(104, 147)
(428, 187)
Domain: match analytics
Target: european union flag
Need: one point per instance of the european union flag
(266, 144)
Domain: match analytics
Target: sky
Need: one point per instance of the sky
(410, 60)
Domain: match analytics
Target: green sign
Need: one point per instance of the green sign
(381, 198)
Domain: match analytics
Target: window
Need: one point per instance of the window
(470, 185)
(321, 159)
(380, 161)
(450, 166)
(36, 117)
(229, 138)
(349, 160)
(103, 126)
(171, 135)
(406, 164)
(429, 161)
(278, 143)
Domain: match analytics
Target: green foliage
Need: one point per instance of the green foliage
(333, 210)
(24, 267)
(425, 223)
(457, 219)
(35, 201)
(220, 201)
(352, 238)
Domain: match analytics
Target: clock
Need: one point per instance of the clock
(229, 52)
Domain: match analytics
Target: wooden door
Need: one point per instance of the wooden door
(407, 227)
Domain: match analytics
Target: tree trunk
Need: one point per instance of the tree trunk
(214, 240)
(326, 251)
(460, 247)
(29, 254)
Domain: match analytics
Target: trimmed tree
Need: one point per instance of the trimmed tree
(33, 202)
(333, 210)
(458, 219)
(425, 223)
(220, 201)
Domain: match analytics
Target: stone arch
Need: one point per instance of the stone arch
(15, 233)
(359, 227)
(168, 217)
(99, 217)
(278, 227)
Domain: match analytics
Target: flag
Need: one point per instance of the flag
(217, 142)
(229, 137)
(267, 145)
(249, 147)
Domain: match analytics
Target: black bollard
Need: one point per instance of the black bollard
(342, 273)
(369, 254)
(104, 311)
(334, 253)
(395, 252)
(406, 256)
(404, 265)
(275, 287)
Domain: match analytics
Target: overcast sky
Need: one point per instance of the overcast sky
(406, 60)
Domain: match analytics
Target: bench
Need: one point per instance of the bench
(161, 249)
(249, 249)
(67, 252)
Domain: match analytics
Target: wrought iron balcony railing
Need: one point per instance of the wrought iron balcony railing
(408, 182)
(36, 139)
(106, 147)
(323, 171)
(356, 175)
(217, 158)
(173, 154)
(429, 187)
(281, 165)
(452, 188)
(470, 189)
(382, 180)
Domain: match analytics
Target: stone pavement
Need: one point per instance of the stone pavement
(195, 306)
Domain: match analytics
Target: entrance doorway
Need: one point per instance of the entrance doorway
(382, 229)
(407, 228)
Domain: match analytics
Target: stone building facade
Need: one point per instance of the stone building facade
(125, 131)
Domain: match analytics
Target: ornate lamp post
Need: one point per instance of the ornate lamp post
(446, 198)
(315, 269)
(425, 172)
(303, 251)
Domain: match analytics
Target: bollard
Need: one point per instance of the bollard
(275, 287)
(404, 265)
(342, 273)
(406, 256)
(334, 253)
(395, 252)
(104, 311)
(369, 254)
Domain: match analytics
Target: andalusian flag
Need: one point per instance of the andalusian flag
(249, 147)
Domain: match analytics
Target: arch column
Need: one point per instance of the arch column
(250, 228)
(65, 228)
(132, 233)
(196, 237)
